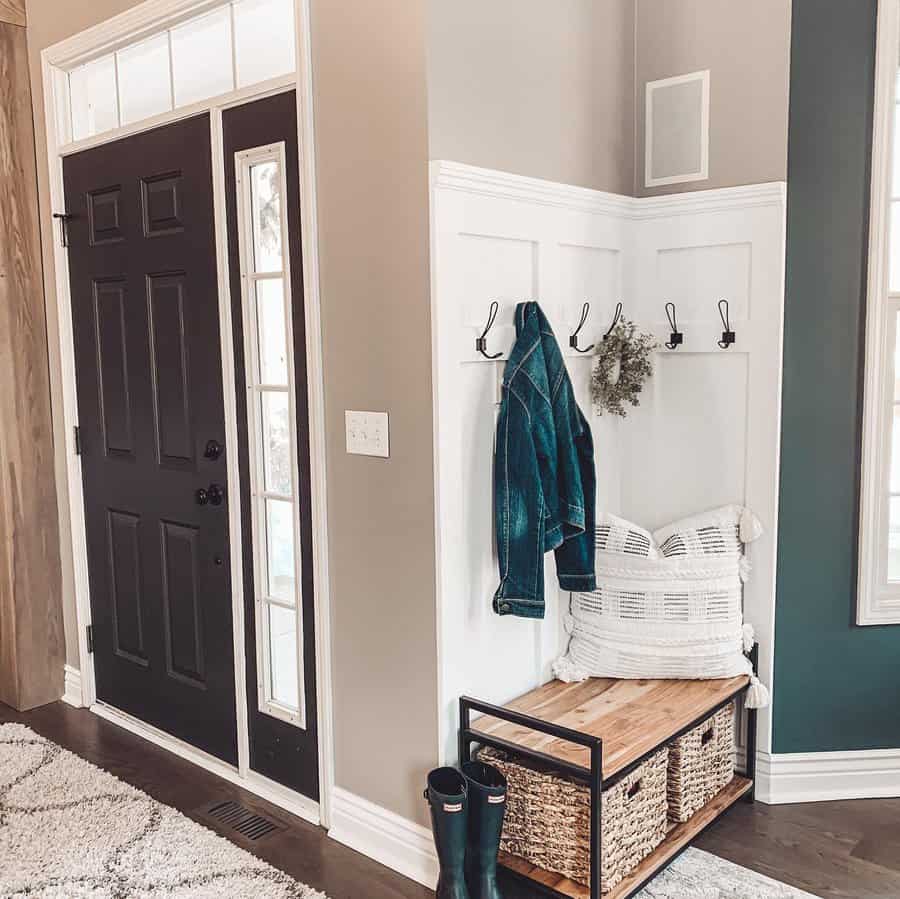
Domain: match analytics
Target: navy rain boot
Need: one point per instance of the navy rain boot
(487, 806)
(446, 795)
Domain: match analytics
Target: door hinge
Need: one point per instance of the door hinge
(77, 433)
(90, 637)
(63, 227)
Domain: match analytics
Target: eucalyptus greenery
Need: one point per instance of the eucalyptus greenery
(622, 364)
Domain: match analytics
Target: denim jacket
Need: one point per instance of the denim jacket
(544, 480)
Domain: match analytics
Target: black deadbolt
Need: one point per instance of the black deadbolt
(213, 450)
(214, 494)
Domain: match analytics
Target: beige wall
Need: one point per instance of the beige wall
(556, 90)
(535, 87)
(373, 208)
(746, 46)
(372, 157)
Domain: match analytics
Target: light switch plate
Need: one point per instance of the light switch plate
(367, 433)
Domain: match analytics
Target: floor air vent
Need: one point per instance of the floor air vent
(241, 820)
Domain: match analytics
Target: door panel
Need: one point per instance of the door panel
(123, 536)
(171, 374)
(279, 749)
(145, 318)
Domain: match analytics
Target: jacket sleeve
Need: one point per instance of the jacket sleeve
(519, 514)
(575, 558)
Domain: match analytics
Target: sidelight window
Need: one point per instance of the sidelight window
(231, 46)
(271, 429)
(879, 537)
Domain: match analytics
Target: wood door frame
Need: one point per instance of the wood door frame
(146, 18)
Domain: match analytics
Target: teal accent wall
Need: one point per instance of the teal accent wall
(837, 686)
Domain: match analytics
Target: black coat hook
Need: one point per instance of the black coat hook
(573, 338)
(676, 338)
(728, 337)
(481, 342)
(617, 317)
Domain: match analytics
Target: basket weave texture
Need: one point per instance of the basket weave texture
(701, 762)
(548, 818)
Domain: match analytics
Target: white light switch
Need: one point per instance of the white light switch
(367, 433)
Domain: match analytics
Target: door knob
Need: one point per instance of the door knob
(214, 494)
(213, 450)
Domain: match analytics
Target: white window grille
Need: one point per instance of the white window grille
(272, 429)
(225, 48)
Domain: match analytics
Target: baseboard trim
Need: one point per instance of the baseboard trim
(382, 835)
(827, 776)
(295, 803)
(73, 695)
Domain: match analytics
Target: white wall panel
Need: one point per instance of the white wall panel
(705, 433)
(694, 278)
(686, 442)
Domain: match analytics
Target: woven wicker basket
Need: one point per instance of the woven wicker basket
(701, 762)
(548, 818)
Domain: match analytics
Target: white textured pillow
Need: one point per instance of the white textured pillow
(617, 535)
(671, 610)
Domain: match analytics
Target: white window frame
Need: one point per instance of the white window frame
(244, 161)
(150, 19)
(878, 599)
(56, 60)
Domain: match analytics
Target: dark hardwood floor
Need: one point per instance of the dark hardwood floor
(836, 850)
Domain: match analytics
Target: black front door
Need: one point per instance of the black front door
(142, 266)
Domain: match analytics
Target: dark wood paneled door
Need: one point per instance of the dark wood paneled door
(142, 266)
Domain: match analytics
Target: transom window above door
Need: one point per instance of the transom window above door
(227, 47)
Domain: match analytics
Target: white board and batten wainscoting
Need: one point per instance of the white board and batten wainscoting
(707, 430)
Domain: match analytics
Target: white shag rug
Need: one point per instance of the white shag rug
(71, 831)
(698, 875)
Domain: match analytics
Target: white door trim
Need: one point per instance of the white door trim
(289, 800)
(143, 19)
(233, 482)
(878, 599)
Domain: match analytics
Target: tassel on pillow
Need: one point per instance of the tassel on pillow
(568, 672)
(748, 636)
(750, 526)
(757, 696)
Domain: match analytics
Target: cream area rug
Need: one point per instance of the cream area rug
(698, 875)
(71, 831)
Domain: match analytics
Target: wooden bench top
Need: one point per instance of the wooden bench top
(631, 716)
